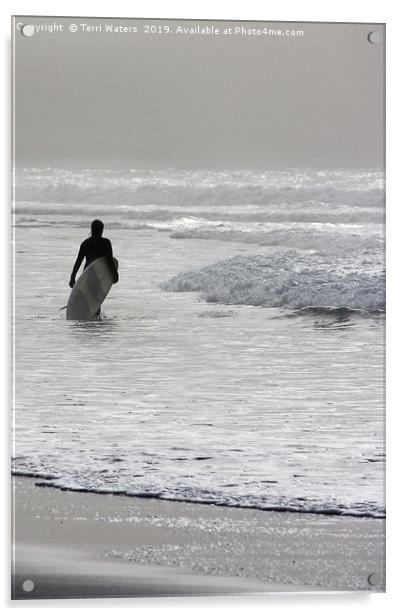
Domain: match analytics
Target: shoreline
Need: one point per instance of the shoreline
(80, 544)
(40, 482)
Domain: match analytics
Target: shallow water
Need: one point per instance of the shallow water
(174, 397)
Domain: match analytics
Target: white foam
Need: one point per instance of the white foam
(287, 280)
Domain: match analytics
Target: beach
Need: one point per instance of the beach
(72, 544)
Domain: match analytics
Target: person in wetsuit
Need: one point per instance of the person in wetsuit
(92, 248)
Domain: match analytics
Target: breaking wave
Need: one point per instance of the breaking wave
(285, 280)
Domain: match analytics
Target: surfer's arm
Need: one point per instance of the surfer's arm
(77, 265)
(111, 263)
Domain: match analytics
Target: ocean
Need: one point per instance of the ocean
(239, 360)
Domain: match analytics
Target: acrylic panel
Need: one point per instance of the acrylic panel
(205, 415)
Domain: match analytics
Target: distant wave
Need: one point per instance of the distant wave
(285, 280)
(129, 187)
(303, 237)
(214, 215)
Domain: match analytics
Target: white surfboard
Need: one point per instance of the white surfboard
(90, 290)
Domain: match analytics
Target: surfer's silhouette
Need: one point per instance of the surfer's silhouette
(93, 248)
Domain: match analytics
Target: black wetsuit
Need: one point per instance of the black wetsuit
(91, 249)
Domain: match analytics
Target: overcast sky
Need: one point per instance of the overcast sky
(129, 100)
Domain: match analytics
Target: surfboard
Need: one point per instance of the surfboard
(90, 290)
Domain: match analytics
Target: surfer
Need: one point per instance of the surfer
(92, 248)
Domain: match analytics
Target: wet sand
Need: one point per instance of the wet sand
(72, 544)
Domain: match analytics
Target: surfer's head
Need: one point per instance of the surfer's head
(97, 228)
